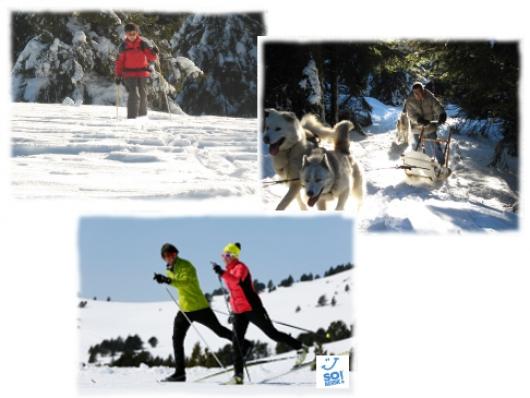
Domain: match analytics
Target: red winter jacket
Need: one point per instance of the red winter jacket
(243, 297)
(133, 59)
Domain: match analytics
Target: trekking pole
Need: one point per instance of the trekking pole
(235, 335)
(195, 328)
(117, 101)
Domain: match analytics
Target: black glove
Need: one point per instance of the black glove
(159, 278)
(155, 50)
(118, 81)
(218, 269)
(423, 122)
(442, 118)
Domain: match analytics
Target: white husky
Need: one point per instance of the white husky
(328, 175)
(289, 139)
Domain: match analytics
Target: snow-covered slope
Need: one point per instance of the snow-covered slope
(85, 152)
(265, 378)
(103, 320)
(474, 198)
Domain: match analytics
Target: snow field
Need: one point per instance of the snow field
(83, 152)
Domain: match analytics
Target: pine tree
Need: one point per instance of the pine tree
(258, 286)
(153, 341)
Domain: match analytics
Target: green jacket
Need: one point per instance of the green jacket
(184, 277)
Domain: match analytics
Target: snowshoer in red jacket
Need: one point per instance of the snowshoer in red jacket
(132, 68)
(247, 308)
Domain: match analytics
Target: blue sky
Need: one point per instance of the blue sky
(119, 255)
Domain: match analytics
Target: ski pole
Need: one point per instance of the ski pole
(277, 322)
(195, 328)
(234, 331)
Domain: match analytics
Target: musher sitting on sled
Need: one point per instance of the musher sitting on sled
(247, 308)
(132, 68)
(423, 108)
(182, 275)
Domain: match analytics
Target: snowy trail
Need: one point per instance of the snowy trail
(84, 152)
(474, 198)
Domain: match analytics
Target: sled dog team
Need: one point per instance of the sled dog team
(325, 175)
(245, 307)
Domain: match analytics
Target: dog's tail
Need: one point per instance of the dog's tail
(342, 140)
(311, 123)
(359, 186)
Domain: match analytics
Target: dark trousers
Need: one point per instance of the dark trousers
(137, 101)
(261, 320)
(181, 325)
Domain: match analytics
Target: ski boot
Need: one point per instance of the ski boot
(235, 380)
(301, 356)
(175, 377)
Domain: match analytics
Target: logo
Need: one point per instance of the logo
(333, 371)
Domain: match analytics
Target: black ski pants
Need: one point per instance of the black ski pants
(181, 325)
(261, 319)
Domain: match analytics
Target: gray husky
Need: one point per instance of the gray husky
(402, 129)
(289, 139)
(328, 175)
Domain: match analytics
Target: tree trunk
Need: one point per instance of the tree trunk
(334, 115)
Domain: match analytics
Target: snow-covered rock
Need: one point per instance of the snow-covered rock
(225, 48)
(68, 101)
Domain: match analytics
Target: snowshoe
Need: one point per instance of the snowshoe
(302, 355)
(175, 377)
(235, 380)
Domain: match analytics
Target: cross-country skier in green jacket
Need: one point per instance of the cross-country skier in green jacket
(182, 275)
